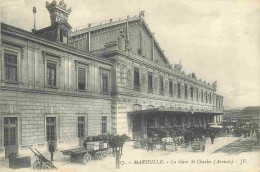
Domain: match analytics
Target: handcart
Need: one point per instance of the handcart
(198, 145)
(41, 162)
(140, 143)
(85, 155)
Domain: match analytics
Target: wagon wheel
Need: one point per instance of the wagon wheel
(103, 155)
(86, 158)
(47, 165)
(37, 165)
(142, 144)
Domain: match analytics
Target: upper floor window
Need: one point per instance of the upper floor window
(136, 79)
(179, 90)
(201, 95)
(191, 92)
(161, 85)
(170, 88)
(51, 74)
(186, 91)
(209, 98)
(81, 79)
(104, 82)
(197, 94)
(206, 96)
(10, 67)
(150, 82)
(63, 36)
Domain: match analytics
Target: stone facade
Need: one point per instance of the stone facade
(141, 52)
(123, 54)
(30, 100)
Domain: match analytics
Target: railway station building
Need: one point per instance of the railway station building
(61, 84)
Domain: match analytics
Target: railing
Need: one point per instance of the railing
(102, 23)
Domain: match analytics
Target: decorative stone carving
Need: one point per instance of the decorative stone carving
(129, 77)
(214, 84)
(121, 42)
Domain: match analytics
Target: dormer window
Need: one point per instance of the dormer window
(63, 36)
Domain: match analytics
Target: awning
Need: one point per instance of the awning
(168, 110)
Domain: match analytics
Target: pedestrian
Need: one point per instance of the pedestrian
(118, 156)
(212, 137)
(51, 150)
(150, 144)
(203, 143)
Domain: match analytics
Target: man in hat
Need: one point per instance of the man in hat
(51, 150)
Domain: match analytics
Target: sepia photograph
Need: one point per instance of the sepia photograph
(130, 85)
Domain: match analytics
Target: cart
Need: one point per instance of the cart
(140, 143)
(41, 162)
(198, 145)
(85, 155)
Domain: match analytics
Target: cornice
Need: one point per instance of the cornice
(17, 32)
(161, 69)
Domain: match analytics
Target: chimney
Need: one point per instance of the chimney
(34, 19)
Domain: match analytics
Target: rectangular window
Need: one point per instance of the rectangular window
(201, 95)
(161, 120)
(51, 128)
(209, 98)
(191, 92)
(136, 79)
(179, 120)
(161, 85)
(104, 83)
(150, 82)
(81, 79)
(10, 131)
(63, 36)
(170, 88)
(186, 91)
(81, 126)
(179, 90)
(10, 67)
(206, 96)
(104, 124)
(197, 94)
(51, 74)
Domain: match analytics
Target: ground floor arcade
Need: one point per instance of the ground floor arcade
(145, 120)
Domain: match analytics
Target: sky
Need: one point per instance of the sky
(216, 39)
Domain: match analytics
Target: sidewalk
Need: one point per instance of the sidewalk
(219, 143)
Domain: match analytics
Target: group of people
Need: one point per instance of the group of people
(187, 136)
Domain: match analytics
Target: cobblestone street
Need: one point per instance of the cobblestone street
(158, 160)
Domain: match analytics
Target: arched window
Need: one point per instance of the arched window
(136, 107)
